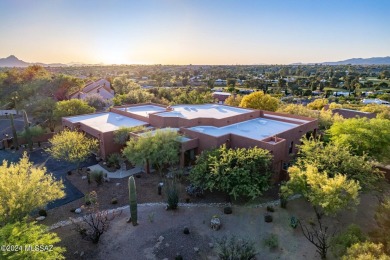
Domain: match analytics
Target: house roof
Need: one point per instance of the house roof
(258, 129)
(204, 111)
(106, 122)
(143, 110)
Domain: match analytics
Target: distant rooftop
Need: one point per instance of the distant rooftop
(257, 129)
(204, 110)
(106, 122)
(222, 93)
(143, 110)
(287, 118)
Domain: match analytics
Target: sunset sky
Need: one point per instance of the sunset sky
(193, 32)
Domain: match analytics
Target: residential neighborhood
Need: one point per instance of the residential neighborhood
(194, 130)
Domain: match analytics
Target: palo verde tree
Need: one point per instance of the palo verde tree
(238, 172)
(259, 100)
(35, 240)
(327, 195)
(72, 146)
(333, 159)
(159, 148)
(24, 188)
(364, 136)
(366, 250)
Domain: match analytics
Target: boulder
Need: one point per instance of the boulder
(215, 223)
(40, 218)
(77, 211)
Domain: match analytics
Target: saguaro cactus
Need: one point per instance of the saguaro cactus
(14, 134)
(27, 131)
(132, 201)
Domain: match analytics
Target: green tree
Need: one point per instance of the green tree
(124, 86)
(259, 100)
(318, 104)
(382, 111)
(327, 195)
(364, 136)
(366, 251)
(382, 218)
(325, 117)
(233, 100)
(238, 172)
(42, 108)
(350, 236)
(122, 135)
(159, 148)
(72, 107)
(133, 97)
(24, 188)
(72, 146)
(196, 96)
(96, 101)
(334, 159)
(33, 236)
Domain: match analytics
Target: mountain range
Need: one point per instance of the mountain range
(13, 61)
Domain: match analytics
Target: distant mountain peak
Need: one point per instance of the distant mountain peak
(354, 61)
(13, 61)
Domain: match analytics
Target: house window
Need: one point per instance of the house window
(291, 147)
(285, 166)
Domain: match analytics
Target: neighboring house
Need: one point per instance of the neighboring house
(221, 96)
(101, 87)
(375, 101)
(220, 82)
(203, 127)
(349, 113)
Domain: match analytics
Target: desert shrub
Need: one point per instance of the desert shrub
(97, 101)
(172, 196)
(293, 222)
(238, 172)
(366, 251)
(271, 241)
(268, 218)
(382, 219)
(91, 198)
(283, 203)
(270, 209)
(42, 212)
(340, 243)
(98, 177)
(193, 190)
(235, 248)
(113, 160)
(227, 210)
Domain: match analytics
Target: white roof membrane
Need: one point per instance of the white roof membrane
(205, 111)
(258, 129)
(144, 110)
(106, 122)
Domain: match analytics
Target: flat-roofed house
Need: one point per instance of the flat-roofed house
(202, 127)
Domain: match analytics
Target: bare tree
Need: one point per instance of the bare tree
(93, 224)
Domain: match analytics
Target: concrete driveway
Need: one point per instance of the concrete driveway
(59, 170)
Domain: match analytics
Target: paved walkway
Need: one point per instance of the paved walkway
(117, 174)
